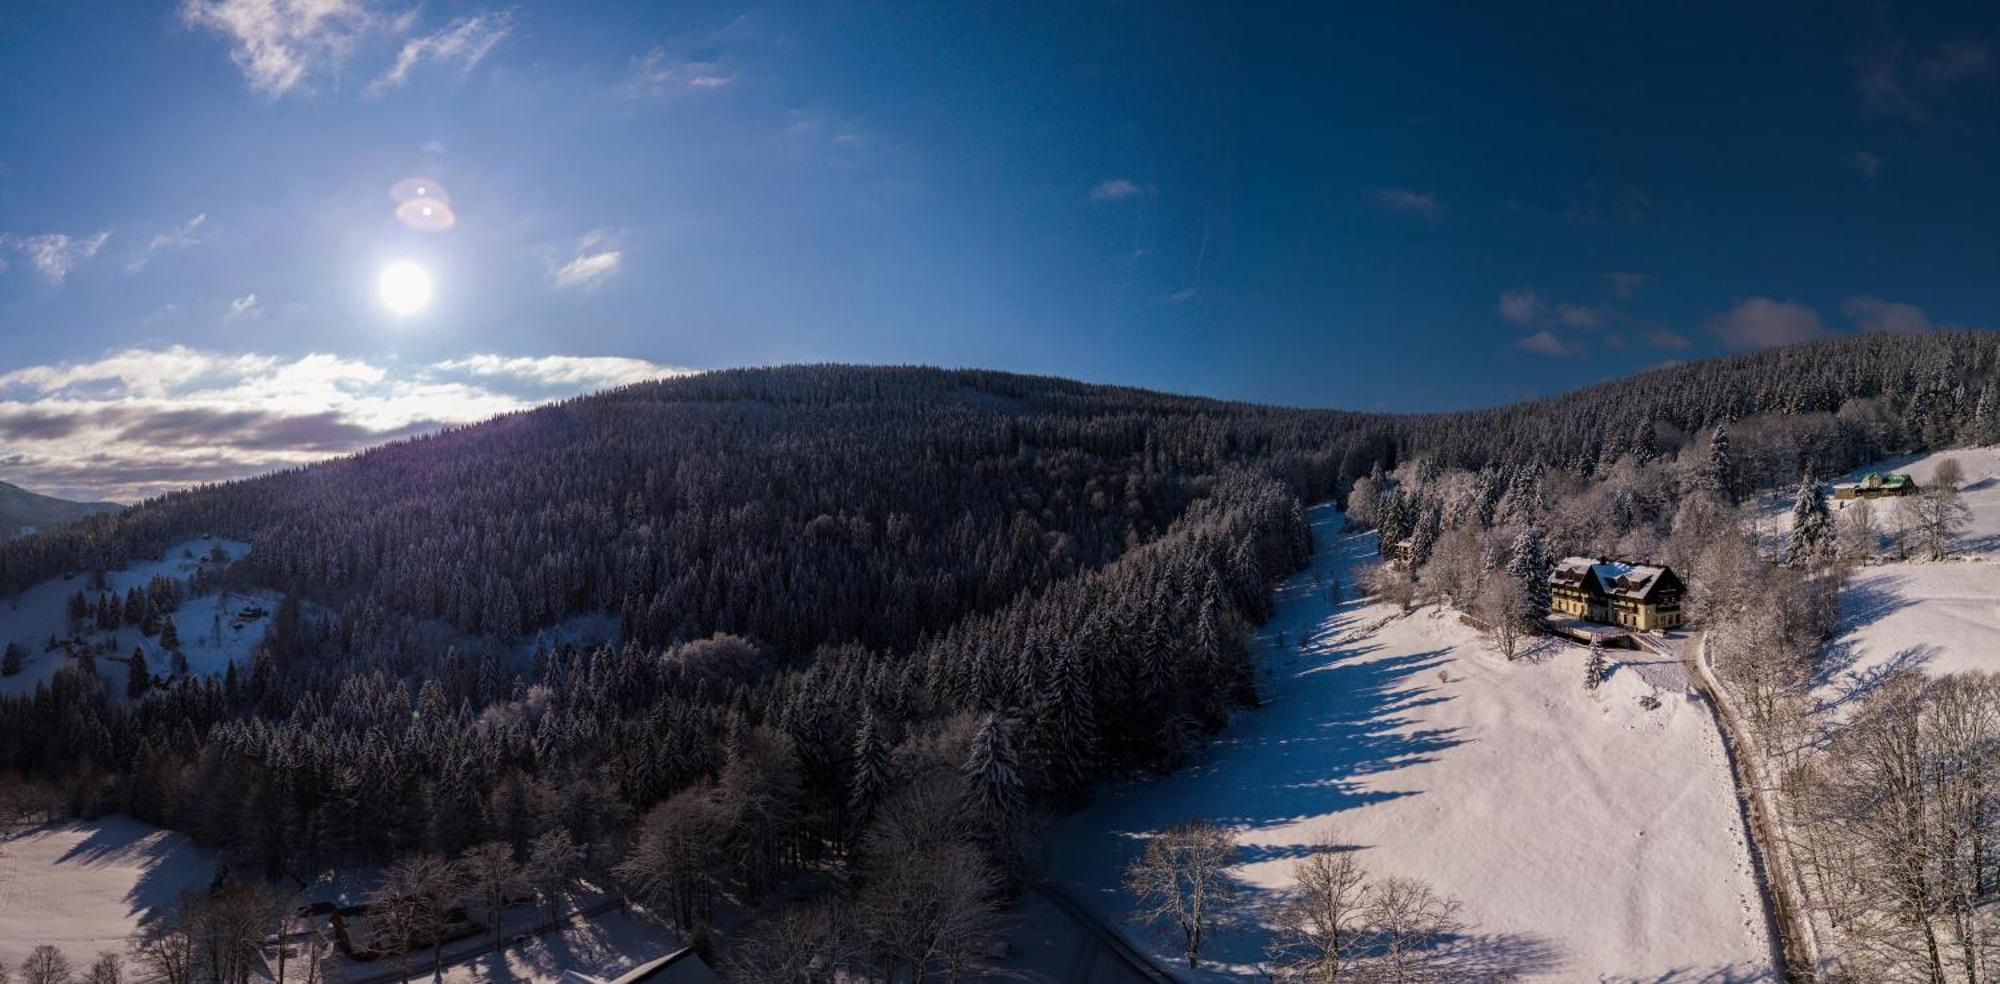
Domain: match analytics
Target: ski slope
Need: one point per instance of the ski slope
(1588, 838)
(210, 638)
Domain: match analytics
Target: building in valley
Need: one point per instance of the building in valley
(1877, 485)
(1612, 592)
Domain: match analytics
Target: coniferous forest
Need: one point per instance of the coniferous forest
(843, 597)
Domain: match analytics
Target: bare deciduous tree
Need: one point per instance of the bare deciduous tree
(1410, 925)
(45, 965)
(1182, 878)
(108, 968)
(167, 951)
(491, 874)
(1938, 512)
(1910, 809)
(802, 944)
(413, 904)
(1503, 606)
(675, 860)
(928, 908)
(1319, 922)
(1389, 583)
(553, 862)
(1860, 534)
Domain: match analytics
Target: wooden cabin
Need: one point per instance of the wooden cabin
(1613, 592)
(1877, 485)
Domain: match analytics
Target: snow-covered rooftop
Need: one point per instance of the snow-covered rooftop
(1614, 577)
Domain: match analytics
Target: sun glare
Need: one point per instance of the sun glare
(406, 288)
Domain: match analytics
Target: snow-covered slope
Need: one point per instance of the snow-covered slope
(1943, 616)
(90, 886)
(210, 638)
(1588, 837)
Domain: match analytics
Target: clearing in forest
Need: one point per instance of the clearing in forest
(1587, 836)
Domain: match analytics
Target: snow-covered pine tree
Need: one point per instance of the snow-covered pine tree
(870, 774)
(993, 773)
(1424, 537)
(1812, 525)
(1719, 474)
(1529, 563)
(1393, 520)
(1595, 669)
(1985, 425)
(1068, 723)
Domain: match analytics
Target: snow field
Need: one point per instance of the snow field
(91, 886)
(1941, 616)
(1588, 837)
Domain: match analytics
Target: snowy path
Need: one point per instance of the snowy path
(1589, 838)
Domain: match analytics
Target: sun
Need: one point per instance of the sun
(405, 287)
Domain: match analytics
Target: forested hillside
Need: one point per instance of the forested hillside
(21, 510)
(845, 596)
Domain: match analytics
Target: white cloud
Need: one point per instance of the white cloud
(179, 237)
(1545, 342)
(280, 44)
(1869, 165)
(464, 42)
(243, 307)
(1184, 295)
(1894, 317)
(1116, 190)
(594, 263)
(590, 372)
(142, 421)
(1760, 322)
(54, 255)
(1424, 204)
(657, 75)
(1523, 307)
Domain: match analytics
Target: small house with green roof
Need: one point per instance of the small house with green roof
(1877, 485)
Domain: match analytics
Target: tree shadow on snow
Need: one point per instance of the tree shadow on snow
(1359, 725)
(1466, 956)
(167, 863)
(1344, 718)
(1871, 598)
(1983, 544)
(1851, 686)
(1733, 974)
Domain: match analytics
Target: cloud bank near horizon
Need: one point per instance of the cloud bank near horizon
(141, 422)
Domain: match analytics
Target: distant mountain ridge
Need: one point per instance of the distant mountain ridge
(22, 511)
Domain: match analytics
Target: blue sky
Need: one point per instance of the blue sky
(1373, 208)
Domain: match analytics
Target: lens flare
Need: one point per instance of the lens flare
(423, 205)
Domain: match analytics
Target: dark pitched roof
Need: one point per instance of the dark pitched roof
(1614, 578)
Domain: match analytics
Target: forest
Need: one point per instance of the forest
(872, 621)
